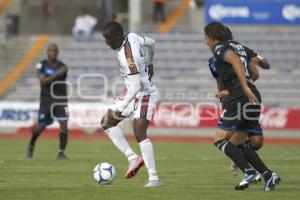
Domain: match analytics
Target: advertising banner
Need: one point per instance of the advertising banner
(22, 115)
(196, 117)
(88, 115)
(253, 11)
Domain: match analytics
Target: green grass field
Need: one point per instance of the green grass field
(187, 171)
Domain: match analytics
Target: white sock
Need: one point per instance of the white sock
(117, 137)
(148, 156)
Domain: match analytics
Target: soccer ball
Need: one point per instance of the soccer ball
(104, 173)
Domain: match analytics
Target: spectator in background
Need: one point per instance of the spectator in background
(159, 10)
(11, 24)
(84, 26)
(199, 3)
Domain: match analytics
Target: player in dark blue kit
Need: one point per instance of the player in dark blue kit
(255, 139)
(52, 75)
(241, 112)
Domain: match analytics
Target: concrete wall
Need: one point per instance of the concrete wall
(35, 20)
(139, 12)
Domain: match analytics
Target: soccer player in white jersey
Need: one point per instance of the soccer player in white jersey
(139, 101)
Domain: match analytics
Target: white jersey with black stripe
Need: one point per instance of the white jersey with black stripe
(133, 60)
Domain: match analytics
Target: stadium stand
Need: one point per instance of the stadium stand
(180, 65)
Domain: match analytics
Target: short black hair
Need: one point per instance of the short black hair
(218, 31)
(229, 33)
(112, 28)
(52, 45)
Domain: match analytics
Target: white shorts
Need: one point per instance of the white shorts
(142, 105)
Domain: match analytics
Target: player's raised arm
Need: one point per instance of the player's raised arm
(239, 71)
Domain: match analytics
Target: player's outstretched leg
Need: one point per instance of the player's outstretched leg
(36, 132)
(63, 140)
(140, 127)
(109, 124)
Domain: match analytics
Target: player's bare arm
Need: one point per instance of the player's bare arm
(239, 71)
(150, 71)
(263, 62)
(47, 80)
(253, 69)
(63, 71)
(221, 92)
(258, 61)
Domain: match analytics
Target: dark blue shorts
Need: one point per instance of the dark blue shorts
(49, 112)
(241, 116)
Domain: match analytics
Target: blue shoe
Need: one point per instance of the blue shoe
(272, 182)
(259, 178)
(249, 179)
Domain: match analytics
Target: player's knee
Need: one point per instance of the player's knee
(256, 143)
(64, 128)
(38, 130)
(221, 135)
(106, 122)
(140, 137)
(63, 131)
(220, 144)
(105, 125)
(256, 146)
(218, 137)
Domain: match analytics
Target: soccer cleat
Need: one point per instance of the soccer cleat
(134, 166)
(272, 182)
(30, 150)
(153, 183)
(234, 169)
(259, 178)
(62, 156)
(249, 179)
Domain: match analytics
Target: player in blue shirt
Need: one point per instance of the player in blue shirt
(52, 75)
